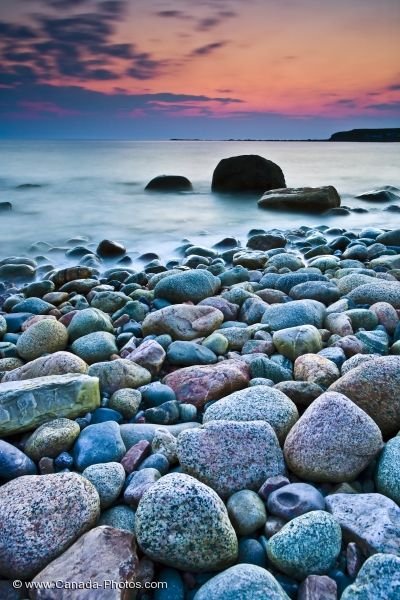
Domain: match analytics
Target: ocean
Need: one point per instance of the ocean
(95, 190)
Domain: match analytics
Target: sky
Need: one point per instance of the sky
(216, 69)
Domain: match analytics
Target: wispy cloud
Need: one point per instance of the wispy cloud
(207, 49)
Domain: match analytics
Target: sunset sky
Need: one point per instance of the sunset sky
(153, 69)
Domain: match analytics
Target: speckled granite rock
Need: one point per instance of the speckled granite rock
(375, 387)
(231, 455)
(370, 520)
(119, 374)
(52, 438)
(387, 474)
(258, 403)
(307, 545)
(59, 363)
(334, 440)
(41, 516)
(27, 404)
(378, 579)
(242, 582)
(183, 523)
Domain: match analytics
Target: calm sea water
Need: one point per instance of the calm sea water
(96, 189)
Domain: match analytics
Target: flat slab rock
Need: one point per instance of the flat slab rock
(24, 405)
(198, 385)
(370, 520)
(103, 554)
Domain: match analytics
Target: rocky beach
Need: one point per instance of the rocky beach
(220, 425)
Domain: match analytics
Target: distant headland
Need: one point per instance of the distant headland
(354, 135)
(367, 135)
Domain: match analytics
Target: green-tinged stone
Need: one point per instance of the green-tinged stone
(52, 438)
(307, 545)
(24, 405)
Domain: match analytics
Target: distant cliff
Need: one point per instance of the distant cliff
(367, 135)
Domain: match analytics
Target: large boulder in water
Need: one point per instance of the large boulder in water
(318, 199)
(247, 173)
(169, 183)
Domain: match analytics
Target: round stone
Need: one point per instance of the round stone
(59, 363)
(332, 441)
(89, 320)
(120, 517)
(307, 545)
(375, 387)
(42, 516)
(387, 475)
(186, 354)
(295, 341)
(52, 438)
(182, 523)
(43, 337)
(378, 579)
(257, 403)
(316, 369)
(108, 479)
(230, 456)
(99, 443)
(95, 347)
(118, 374)
(246, 511)
(126, 401)
(295, 499)
(14, 463)
(242, 582)
(194, 285)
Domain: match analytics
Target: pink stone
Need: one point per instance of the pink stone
(316, 587)
(35, 319)
(199, 384)
(149, 355)
(135, 455)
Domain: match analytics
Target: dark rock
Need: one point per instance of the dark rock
(303, 199)
(247, 173)
(169, 183)
(110, 249)
(266, 241)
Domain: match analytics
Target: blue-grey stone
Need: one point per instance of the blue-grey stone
(387, 475)
(187, 354)
(295, 499)
(14, 463)
(99, 443)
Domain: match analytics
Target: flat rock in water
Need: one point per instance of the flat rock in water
(317, 199)
(169, 183)
(102, 554)
(41, 516)
(24, 405)
(372, 521)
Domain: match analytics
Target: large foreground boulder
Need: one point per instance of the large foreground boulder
(247, 173)
(317, 199)
(41, 516)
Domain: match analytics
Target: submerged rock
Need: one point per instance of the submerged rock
(169, 183)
